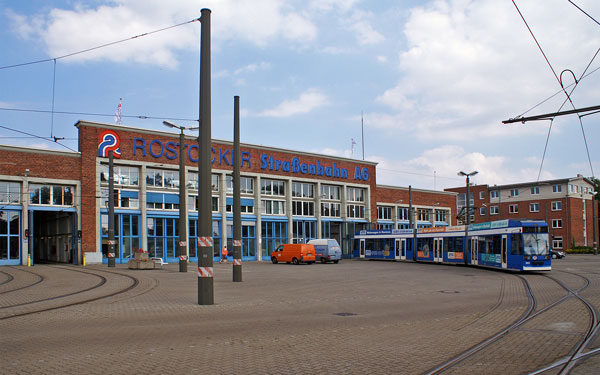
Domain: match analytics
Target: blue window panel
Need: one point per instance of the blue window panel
(243, 201)
(172, 198)
(154, 197)
(130, 194)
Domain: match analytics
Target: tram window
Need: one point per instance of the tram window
(369, 244)
(482, 246)
(497, 243)
(543, 229)
(516, 244)
(458, 245)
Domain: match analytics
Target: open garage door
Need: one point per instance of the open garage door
(54, 236)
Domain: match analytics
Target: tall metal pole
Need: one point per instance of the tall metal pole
(237, 214)
(412, 222)
(111, 211)
(205, 241)
(467, 226)
(183, 222)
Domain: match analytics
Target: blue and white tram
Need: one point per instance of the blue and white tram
(519, 245)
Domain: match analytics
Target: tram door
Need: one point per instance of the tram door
(474, 250)
(438, 254)
(362, 248)
(504, 256)
(397, 248)
(403, 248)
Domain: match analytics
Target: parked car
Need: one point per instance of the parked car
(327, 250)
(294, 253)
(557, 254)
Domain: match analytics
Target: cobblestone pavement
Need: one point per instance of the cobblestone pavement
(355, 317)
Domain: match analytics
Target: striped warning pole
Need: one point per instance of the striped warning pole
(237, 215)
(205, 271)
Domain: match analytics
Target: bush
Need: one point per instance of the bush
(580, 250)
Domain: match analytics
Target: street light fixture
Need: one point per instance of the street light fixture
(467, 198)
(182, 248)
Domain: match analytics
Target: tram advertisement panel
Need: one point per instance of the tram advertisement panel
(491, 258)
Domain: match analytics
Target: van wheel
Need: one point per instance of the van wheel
(274, 260)
(295, 261)
(323, 260)
(336, 261)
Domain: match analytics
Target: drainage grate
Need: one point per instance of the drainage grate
(345, 314)
(449, 291)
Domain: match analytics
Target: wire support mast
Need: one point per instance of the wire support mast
(550, 116)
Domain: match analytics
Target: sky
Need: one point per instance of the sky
(428, 83)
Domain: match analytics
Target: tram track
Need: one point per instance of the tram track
(134, 283)
(529, 312)
(565, 364)
(40, 279)
(9, 278)
(490, 310)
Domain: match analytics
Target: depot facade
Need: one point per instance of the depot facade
(54, 205)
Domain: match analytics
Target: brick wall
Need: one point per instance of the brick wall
(166, 145)
(41, 164)
(391, 195)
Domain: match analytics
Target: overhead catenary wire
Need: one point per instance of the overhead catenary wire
(39, 137)
(560, 91)
(568, 95)
(53, 95)
(142, 117)
(98, 47)
(584, 12)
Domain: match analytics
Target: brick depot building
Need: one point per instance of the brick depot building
(565, 204)
(54, 204)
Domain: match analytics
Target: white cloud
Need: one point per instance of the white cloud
(365, 33)
(7, 105)
(307, 102)
(252, 68)
(437, 168)
(470, 64)
(65, 31)
(334, 152)
(331, 5)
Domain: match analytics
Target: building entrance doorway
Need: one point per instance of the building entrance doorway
(54, 236)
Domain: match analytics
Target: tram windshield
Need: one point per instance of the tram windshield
(535, 243)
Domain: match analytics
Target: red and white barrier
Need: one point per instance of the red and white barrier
(237, 262)
(205, 241)
(205, 272)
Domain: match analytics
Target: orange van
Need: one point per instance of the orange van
(294, 253)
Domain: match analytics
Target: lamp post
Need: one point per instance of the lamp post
(183, 223)
(595, 223)
(461, 173)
